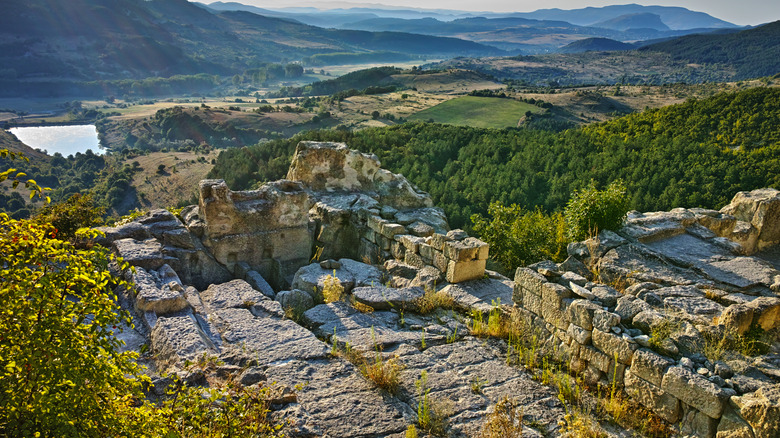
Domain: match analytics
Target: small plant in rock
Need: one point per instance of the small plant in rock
(411, 431)
(332, 290)
(295, 312)
(506, 420)
(756, 341)
(431, 414)
(477, 384)
(360, 307)
(432, 300)
(663, 330)
(452, 337)
(384, 373)
(615, 404)
(578, 423)
(224, 408)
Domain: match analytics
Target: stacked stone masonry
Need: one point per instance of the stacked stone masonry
(687, 284)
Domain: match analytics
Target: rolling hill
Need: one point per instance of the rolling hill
(753, 53)
(596, 45)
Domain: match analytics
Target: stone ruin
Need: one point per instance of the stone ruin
(219, 283)
(691, 280)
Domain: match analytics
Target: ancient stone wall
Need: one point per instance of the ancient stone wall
(683, 294)
(266, 228)
(366, 213)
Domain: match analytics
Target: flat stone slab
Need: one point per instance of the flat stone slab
(151, 298)
(144, 253)
(233, 294)
(264, 340)
(364, 331)
(635, 262)
(688, 249)
(386, 298)
(480, 294)
(742, 272)
(178, 339)
(335, 400)
(453, 368)
(311, 278)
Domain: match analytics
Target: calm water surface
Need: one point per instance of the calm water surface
(66, 140)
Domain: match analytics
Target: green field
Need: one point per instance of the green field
(479, 112)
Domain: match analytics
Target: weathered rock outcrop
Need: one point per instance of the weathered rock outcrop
(646, 309)
(240, 277)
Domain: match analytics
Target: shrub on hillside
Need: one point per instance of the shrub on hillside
(591, 210)
(518, 237)
(78, 211)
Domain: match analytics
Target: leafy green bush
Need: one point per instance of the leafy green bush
(61, 369)
(591, 210)
(518, 237)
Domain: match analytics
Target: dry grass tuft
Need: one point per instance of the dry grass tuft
(433, 300)
(506, 420)
(332, 290)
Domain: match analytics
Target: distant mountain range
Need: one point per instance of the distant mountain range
(675, 17)
(643, 20)
(542, 31)
(113, 39)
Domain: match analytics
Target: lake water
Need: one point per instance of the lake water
(66, 140)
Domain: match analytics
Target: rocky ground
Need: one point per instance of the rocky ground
(677, 312)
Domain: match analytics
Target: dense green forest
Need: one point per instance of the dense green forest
(66, 176)
(696, 154)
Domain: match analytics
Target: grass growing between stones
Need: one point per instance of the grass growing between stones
(733, 347)
(495, 326)
(432, 300)
(506, 420)
(384, 373)
(224, 407)
(432, 414)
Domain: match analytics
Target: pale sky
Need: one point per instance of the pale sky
(740, 12)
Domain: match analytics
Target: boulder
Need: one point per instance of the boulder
(650, 366)
(581, 313)
(178, 339)
(737, 318)
(161, 300)
(628, 307)
(652, 397)
(233, 294)
(761, 209)
(766, 312)
(384, 298)
(295, 299)
(761, 410)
